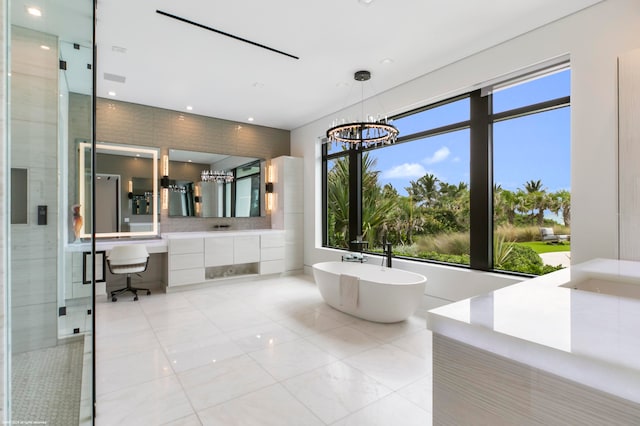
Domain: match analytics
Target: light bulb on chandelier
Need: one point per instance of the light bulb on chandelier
(365, 133)
(216, 176)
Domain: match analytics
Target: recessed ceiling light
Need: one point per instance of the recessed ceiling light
(386, 61)
(189, 108)
(250, 119)
(44, 47)
(34, 11)
(365, 2)
(112, 93)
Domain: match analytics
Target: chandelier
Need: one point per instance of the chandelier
(178, 188)
(366, 133)
(219, 176)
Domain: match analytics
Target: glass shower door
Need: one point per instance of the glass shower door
(49, 281)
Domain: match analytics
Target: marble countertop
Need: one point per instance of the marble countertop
(159, 244)
(587, 337)
(218, 232)
(154, 245)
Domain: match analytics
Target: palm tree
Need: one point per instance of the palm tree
(375, 207)
(563, 203)
(425, 190)
(338, 203)
(539, 199)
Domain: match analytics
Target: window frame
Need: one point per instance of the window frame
(480, 124)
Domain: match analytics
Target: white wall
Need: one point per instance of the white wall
(593, 38)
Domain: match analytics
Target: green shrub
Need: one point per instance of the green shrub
(526, 260)
(462, 259)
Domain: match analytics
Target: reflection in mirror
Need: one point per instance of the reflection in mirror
(126, 190)
(214, 185)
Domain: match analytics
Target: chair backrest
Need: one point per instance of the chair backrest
(128, 258)
(545, 232)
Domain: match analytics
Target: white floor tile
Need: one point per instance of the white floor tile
(185, 333)
(391, 366)
(419, 344)
(191, 420)
(343, 341)
(186, 356)
(115, 325)
(175, 318)
(156, 360)
(291, 358)
(392, 331)
(222, 381)
(116, 345)
(118, 373)
(391, 410)
(271, 406)
(310, 322)
(335, 390)
(151, 403)
(420, 393)
(262, 336)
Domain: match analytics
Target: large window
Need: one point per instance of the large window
(430, 193)
(532, 175)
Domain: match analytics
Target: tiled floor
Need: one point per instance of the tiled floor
(267, 352)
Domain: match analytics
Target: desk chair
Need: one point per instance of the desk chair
(128, 259)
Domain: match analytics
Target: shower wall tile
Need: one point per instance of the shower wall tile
(34, 137)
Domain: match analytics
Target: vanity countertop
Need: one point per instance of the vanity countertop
(588, 337)
(219, 232)
(159, 245)
(153, 245)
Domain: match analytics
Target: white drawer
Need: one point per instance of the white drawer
(186, 276)
(272, 240)
(218, 251)
(246, 249)
(272, 267)
(186, 245)
(273, 253)
(186, 261)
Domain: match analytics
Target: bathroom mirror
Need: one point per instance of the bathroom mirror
(126, 191)
(234, 191)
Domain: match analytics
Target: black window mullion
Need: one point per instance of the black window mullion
(355, 195)
(480, 187)
(325, 205)
(562, 102)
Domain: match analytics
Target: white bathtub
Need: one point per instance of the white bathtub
(384, 294)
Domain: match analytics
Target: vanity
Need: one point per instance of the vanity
(559, 348)
(205, 257)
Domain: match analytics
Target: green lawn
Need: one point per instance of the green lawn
(540, 247)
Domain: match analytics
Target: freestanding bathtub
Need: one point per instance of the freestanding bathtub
(384, 294)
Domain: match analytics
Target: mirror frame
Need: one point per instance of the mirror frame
(124, 149)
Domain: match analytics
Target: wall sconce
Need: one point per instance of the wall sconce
(164, 182)
(268, 188)
(130, 189)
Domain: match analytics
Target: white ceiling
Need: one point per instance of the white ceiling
(171, 64)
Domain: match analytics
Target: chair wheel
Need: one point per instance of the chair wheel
(114, 299)
(148, 292)
(135, 298)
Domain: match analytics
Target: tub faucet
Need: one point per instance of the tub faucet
(388, 252)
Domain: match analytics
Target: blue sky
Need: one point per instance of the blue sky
(527, 148)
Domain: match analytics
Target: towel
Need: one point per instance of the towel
(349, 286)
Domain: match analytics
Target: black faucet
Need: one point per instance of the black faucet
(388, 251)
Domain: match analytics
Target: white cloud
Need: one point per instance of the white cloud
(438, 156)
(406, 170)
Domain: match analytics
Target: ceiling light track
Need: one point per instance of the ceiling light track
(169, 15)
